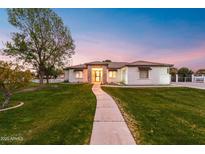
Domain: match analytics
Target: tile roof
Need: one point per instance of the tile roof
(97, 63)
(81, 66)
(147, 63)
(110, 64)
(116, 65)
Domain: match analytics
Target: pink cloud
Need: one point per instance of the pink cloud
(180, 57)
(114, 50)
(122, 51)
(92, 48)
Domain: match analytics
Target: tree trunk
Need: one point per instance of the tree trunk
(47, 79)
(41, 75)
(7, 97)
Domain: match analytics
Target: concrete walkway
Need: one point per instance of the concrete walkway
(142, 86)
(109, 127)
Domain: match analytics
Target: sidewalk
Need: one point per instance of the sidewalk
(109, 127)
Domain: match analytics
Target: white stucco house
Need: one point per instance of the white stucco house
(133, 73)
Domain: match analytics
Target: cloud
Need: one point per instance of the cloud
(117, 50)
(92, 46)
(182, 57)
(99, 49)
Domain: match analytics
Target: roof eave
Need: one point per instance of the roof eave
(94, 64)
(68, 68)
(166, 65)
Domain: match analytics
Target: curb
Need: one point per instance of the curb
(13, 107)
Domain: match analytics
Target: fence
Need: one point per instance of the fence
(184, 79)
(192, 78)
(199, 79)
(50, 80)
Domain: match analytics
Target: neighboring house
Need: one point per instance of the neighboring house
(134, 73)
(200, 72)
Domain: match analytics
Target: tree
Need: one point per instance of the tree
(42, 40)
(12, 78)
(184, 73)
(53, 72)
(56, 72)
(173, 71)
(48, 71)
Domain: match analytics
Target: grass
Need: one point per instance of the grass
(163, 115)
(56, 114)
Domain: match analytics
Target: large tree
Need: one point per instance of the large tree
(11, 78)
(52, 72)
(184, 73)
(42, 39)
(173, 71)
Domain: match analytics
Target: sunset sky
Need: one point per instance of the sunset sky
(174, 36)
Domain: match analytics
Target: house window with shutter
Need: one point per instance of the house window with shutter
(144, 74)
(79, 74)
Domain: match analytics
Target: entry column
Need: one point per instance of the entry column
(89, 74)
(104, 80)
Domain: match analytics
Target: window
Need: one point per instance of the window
(144, 74)
(112, 74)
(79, 74)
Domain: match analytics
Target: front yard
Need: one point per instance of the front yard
(63, 114)
(56, 114)
(163, 115)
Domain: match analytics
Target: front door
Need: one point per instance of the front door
(98, 76)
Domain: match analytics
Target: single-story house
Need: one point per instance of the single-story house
(133, 73)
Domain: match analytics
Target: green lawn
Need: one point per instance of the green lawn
(56, 114)
(163, 115)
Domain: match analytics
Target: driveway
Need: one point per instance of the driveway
(190, 84)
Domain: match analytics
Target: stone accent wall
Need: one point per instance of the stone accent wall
(89, 74)
(104, 72)
(104, 80)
